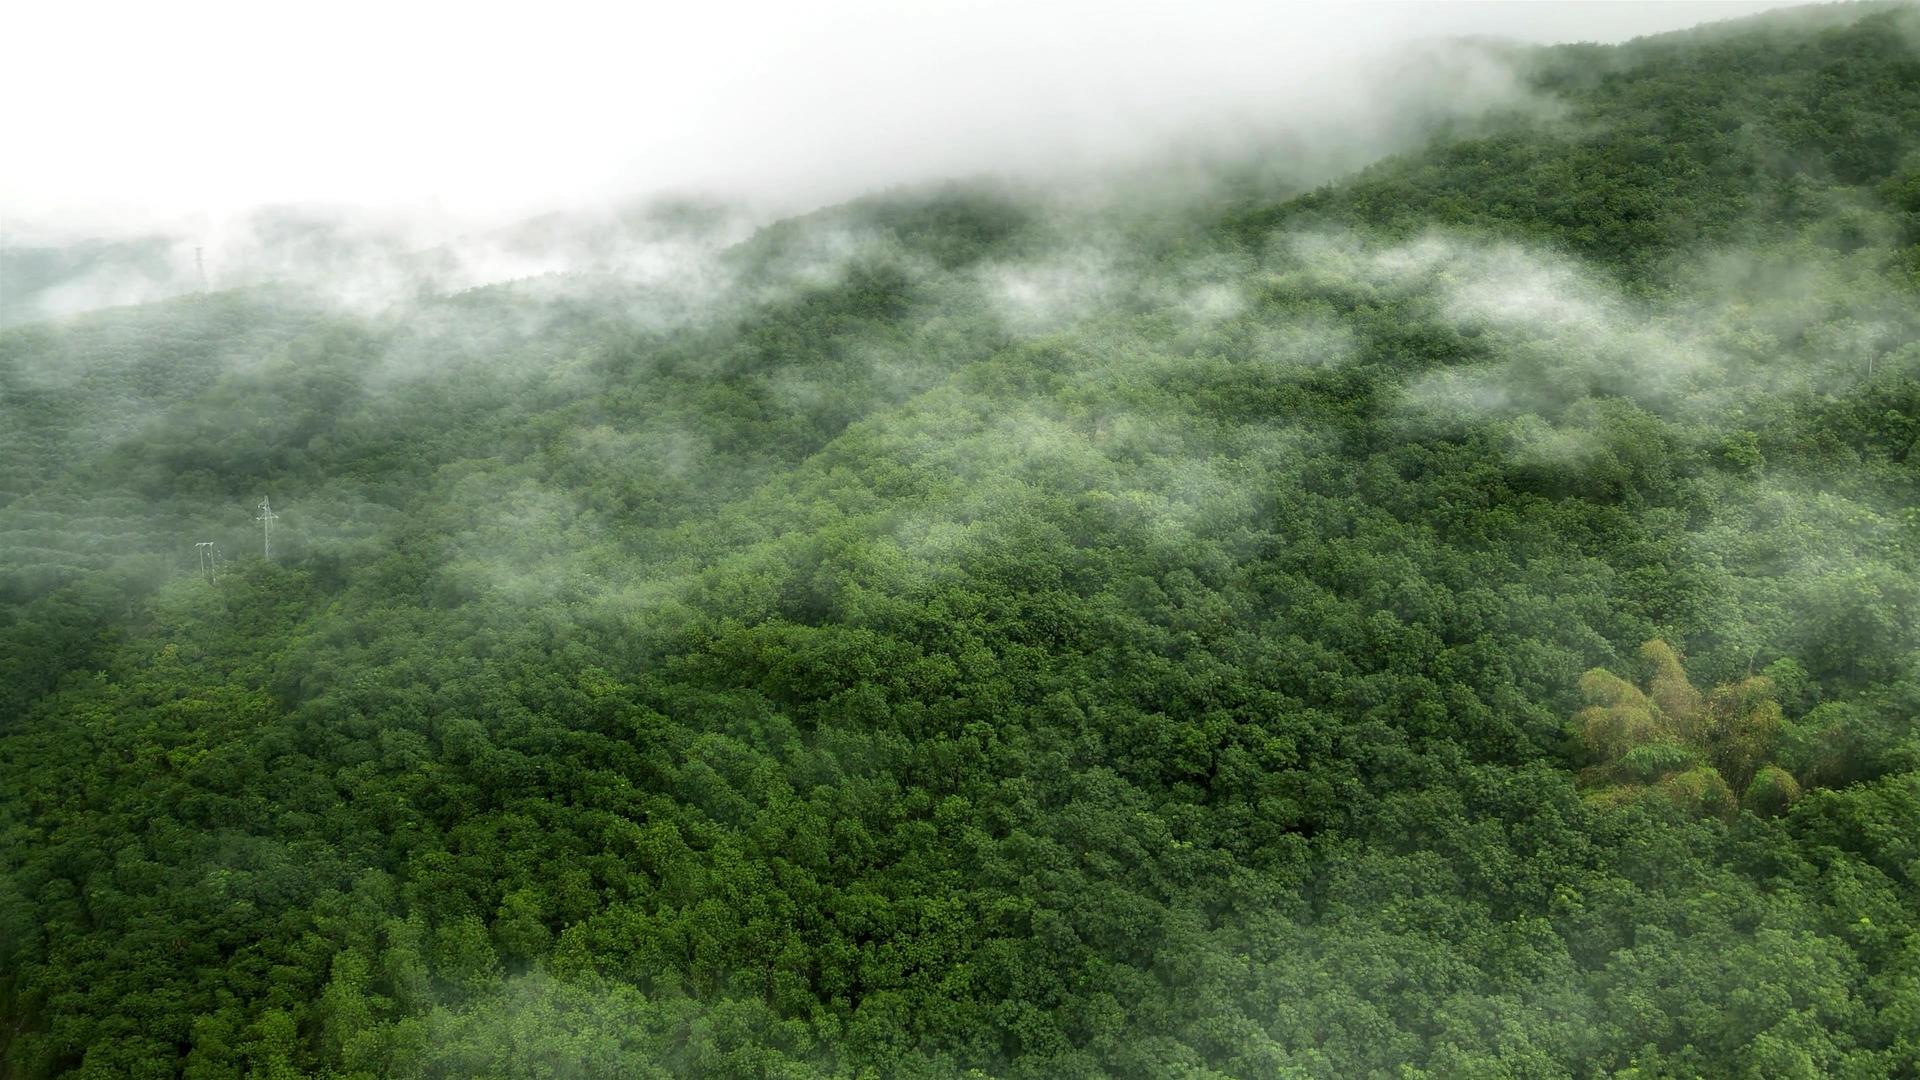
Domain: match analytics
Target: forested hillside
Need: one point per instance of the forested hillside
(1457, 621)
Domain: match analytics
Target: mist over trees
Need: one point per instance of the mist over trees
(1455, 618)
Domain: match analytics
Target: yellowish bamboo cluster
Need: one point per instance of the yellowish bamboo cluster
(1671, 741)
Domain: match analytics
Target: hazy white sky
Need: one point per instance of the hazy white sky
(146, 111)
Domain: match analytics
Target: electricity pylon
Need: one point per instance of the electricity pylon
(266, 520)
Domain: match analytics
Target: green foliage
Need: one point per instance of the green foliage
(1771, 791)
(1696, 749)
(1649, 762)
(985, 637)
(1699, 791)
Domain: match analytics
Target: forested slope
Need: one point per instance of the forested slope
(1459, 621)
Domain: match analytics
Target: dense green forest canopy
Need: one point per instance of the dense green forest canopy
(1455, 621)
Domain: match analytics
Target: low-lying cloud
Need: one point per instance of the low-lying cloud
(189, 114)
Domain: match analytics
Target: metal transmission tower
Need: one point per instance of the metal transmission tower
(200, 269)
(266, 520)
(209, 560)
